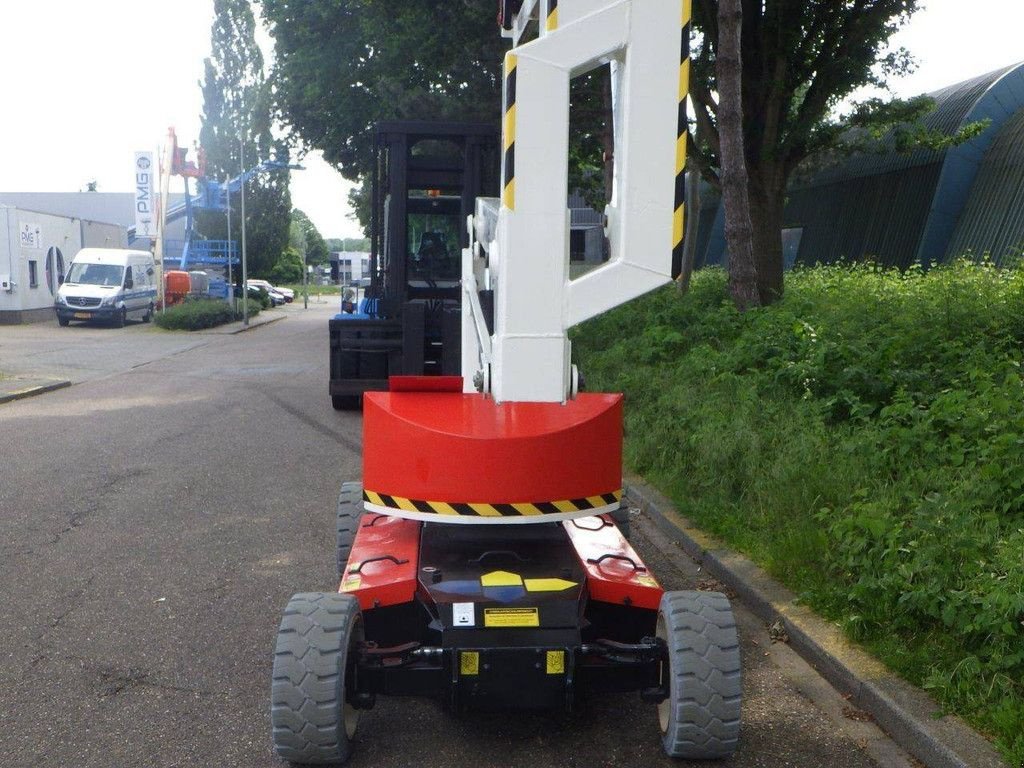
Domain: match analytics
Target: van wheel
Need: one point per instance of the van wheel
(149, 314)
(63, 322)
(121, 318)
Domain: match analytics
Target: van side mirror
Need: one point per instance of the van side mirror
(60, 279)
(129, 283)
(149, 271)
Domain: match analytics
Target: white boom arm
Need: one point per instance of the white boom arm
(527, 251)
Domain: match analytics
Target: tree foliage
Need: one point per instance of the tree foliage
(800, 62)
(288, 269)
(304, 237)
(237, 118)
(341, 66)
(348, 244)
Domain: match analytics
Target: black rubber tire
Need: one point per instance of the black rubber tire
(312, 724)
(346, 402)
(700, 720)
(121, 318)
(350, 512)
(63, 322)
(149, 314)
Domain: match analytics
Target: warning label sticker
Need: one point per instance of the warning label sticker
(463, 614)
(469, 663)
(511, 617)
(556, 662)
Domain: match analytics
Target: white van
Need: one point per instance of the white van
(108, 284)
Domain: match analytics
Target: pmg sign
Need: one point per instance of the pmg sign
(145, 214)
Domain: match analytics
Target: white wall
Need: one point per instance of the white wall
(42, 232)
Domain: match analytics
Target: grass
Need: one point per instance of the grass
(201, 314)
(863, 440)
(323, 290)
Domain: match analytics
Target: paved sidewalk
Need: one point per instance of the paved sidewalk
(37, 358)
(19, 387)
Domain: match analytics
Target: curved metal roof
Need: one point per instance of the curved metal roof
(954, 106)
(992, 222)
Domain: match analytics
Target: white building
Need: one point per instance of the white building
(348, 267)
(35, 251)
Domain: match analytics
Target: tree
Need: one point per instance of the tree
(348, 244)
(288, 269)
(238, 115)
(344, 65)
(738, 228)
(799, 61)
(304, 237)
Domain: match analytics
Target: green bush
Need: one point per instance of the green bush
(288, 268)
(200, 314)
(863, 439)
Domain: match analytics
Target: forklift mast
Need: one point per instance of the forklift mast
(427, 176)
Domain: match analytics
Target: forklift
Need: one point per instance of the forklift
(427, 177)
(479, 560)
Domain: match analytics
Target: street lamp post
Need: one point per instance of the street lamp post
(305, 277)
(227, 247)
(245, 271)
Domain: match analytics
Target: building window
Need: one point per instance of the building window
(33, 275)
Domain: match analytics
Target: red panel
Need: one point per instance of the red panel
(621, 578)
(425, 383)
(455, 447)
(383, 582)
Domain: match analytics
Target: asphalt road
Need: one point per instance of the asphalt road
(154, 521)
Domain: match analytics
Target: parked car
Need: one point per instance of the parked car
(107, 284)
(277, 295)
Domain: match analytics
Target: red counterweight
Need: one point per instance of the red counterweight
(465, 458)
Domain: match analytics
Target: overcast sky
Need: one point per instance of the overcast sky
(89, 83)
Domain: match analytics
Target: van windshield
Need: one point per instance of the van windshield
(95, 274)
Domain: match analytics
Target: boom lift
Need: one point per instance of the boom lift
(427, 177)
(478, 560)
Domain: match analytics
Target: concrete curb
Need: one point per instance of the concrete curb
(39, 389)
(902, 710)
(257, 324)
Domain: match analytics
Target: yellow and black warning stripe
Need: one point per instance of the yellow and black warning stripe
(528, 509)
(508, 180)
(679, 205)
(551, 24)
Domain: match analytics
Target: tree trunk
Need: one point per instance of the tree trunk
(691, 224)
(739, 234)
(767, 201)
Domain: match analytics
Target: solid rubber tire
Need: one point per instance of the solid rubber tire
(346, 402)
(149, 314)
(63, 322)
(350, 512)
(701, 718)
(121, 319)
(312, 725)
